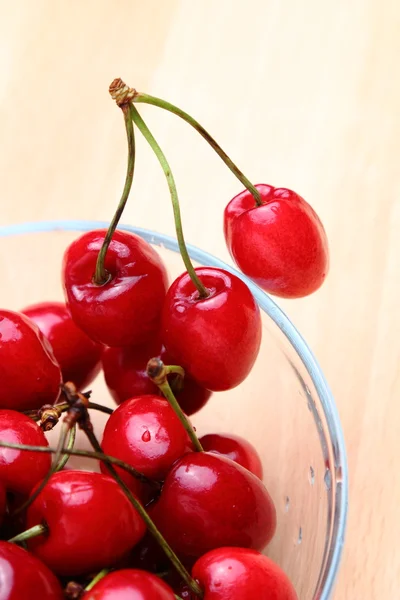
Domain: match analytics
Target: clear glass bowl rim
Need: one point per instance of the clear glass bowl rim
(340, 502)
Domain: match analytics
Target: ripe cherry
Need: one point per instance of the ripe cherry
(215, 339)
(130, 583)
(91, 523)
(21, 470)
(30, 375)
(236, 448)
(146, 433)
(209, 501)
(126, 377)
(126, 309)
(25, 577)
(77, 355)
(281, 244)
(241, 574)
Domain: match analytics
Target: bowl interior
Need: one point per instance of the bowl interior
(284, 408)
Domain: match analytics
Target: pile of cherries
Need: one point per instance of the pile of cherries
(170, 515)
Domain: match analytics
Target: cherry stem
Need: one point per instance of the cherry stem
(96, 579)
(87, 454)
(141, 125)
(60, 447)
(146, 518)
(64, 406)
(104, 409)
(147, 99)
(70, 445)
(101, 275)
(158, 372)
(29, 534)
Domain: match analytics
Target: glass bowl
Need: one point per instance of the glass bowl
(284, 408)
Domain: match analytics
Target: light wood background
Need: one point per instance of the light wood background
(302, 94)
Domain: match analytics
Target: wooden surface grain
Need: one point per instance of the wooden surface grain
(302, 94)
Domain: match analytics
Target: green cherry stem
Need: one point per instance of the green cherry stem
(141, 125)
(100, 408)
(158, 372)
(87, 454)
(29, 534)
(70, 446)
(58, 454)
(96, 579)
(147, 99)
(146, 518)
(101, 276)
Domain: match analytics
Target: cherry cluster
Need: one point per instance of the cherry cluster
(170, 515)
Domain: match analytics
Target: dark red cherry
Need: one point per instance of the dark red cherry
(21, 470)
(209, 501)
(77, 355)
(126, 377)
(91, 523)
(126, 310)
(234, 447)
(25, 577)
(146, 433)
(281, 244)
(216, 339)
(30, 375)
(130, 583)
(241, 574)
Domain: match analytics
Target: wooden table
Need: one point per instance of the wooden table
(302, 94)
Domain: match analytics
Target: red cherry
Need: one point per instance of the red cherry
(236, 448)
(91, 523)
(130, 583)
(77, 355)
(126, 377)
(126, 310)
(21, 470)
(25, 577)
(281, 244)
(29, 374)
(216, 339)
(241, 574)
(146, 433)
(209, 501)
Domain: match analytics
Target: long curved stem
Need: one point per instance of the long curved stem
(101, 275)
(141, 125)
(147, 99)
(96, 579)
(70, 446)
(88, 454)
(158, 372)
(148, 521)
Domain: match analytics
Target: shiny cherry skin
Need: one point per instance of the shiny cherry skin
(127, 309)
(281, 244)
(241, 574)
(236, 448)
(215, 339)
(209, 501)
(29, 373)
(146, 433)
(77, 355)
(91, 523)
(130, 583)
(126, 377)
(21, 470)
(25, 577)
